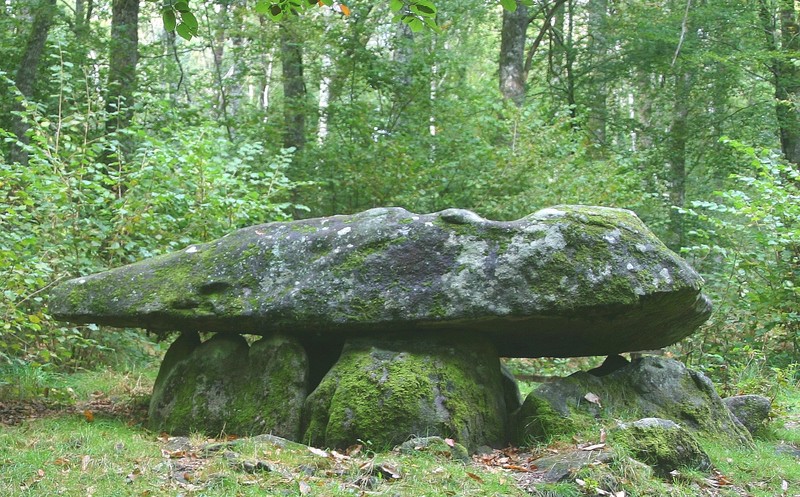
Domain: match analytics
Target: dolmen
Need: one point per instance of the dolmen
(386, 324)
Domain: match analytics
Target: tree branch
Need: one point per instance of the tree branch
(545, 27)
(683, 33)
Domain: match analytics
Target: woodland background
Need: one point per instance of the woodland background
(121, 140)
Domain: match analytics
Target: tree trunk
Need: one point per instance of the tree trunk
(26, 73)
(122, 59)
(512, 54)
(677, 138)
(294, 88)
(781, 38)
(324, 97)
(597, 11)
(787, 88)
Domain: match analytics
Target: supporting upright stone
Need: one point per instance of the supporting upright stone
(386, 390)
(226, 386)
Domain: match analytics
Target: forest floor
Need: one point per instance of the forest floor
(84, 436)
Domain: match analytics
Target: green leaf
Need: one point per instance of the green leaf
(509, 5)
(188, 19)
(425, 7)
(431, 22)
(184, 32)
(275, 12)
(395, 5)
(168, 17)
(415, 24)
(182, 6)
(262, 7)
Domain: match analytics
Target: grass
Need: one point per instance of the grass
(66, 455)
(65, 451)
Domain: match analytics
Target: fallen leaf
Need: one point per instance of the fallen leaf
(305, 488)
(345, 9)
(784, 486)
(354, 450)
(450, 442)
(61, 461)
(132, 475)
(339, 457)
(514, 467)
(85, 460)
(390, 471)
(593, 447)
(721, 480)
(475, 477)
(88, 415)
(318, 452)
(602, 435)
(174, 454)
(593, 398)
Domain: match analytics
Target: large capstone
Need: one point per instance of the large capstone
(224, 385)
(384, 391)
(565, 281)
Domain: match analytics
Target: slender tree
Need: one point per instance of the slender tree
(294, 86)
(122, 59)
(43, 15)
(783, 40)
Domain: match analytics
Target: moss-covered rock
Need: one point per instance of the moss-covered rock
(565, 281)
(751, 410)
(386, 391)
(647, 387)
(663, 445)
(224, 385)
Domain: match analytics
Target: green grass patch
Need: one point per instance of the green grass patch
(61, 452)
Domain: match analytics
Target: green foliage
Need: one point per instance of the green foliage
(21, 380)
(748, 241)
(80, 206)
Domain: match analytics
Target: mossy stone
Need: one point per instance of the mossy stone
(565, 281)
(647, 387)
(386, 391)
(180, 349)
(225, 385)
(662, 444)
(750, 410)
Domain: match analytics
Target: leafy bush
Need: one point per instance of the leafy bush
(748, 243)
(80, 206)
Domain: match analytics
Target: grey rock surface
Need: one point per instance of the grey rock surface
(751, 410)
(565, 281)
(224, 385)
(651, 386)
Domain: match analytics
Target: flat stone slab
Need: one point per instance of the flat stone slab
(565, 281)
